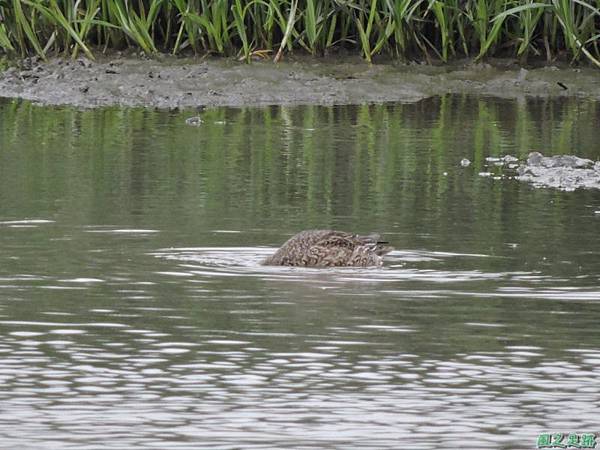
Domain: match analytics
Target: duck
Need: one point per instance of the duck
(330, 248)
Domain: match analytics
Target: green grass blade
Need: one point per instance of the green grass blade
(291, 20)
(5, 40)
(24, 27)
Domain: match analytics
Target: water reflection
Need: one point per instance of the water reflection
(134, 311)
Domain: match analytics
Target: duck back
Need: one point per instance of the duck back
(325, 248)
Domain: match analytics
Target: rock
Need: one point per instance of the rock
(564, 172)
(537, 159)
(194, 121)
(572, 161)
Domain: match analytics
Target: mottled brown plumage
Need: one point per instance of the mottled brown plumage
(325, 248)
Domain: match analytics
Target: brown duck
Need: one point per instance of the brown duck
(326, 248)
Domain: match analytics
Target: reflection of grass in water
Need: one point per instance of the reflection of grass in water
(405, 28)
(359, 167)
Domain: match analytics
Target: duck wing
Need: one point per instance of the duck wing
(339, 239)
(327, 256)
(345, 249)
(371, 242)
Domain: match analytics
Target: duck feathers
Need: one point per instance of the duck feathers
(326, 248)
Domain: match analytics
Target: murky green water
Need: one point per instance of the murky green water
(134, 314)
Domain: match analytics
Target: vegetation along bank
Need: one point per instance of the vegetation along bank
(428, 30)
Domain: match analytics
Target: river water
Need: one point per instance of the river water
(134, 312)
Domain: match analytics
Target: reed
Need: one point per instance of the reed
(406, 29)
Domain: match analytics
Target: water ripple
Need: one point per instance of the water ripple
(30, 222)
(402, 274)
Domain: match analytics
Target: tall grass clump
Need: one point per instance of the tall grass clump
(407, 29)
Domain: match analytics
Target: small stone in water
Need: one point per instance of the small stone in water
(485, 174)
(195, 121)
(465, 162)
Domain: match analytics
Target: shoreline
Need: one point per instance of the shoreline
(174, 82)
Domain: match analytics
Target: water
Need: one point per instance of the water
(134, 312)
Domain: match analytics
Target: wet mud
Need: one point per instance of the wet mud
(170, 82)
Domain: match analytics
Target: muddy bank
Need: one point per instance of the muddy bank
(174, 82)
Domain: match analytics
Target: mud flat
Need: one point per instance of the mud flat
(169, 82)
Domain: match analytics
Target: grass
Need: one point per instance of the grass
(405, 29)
